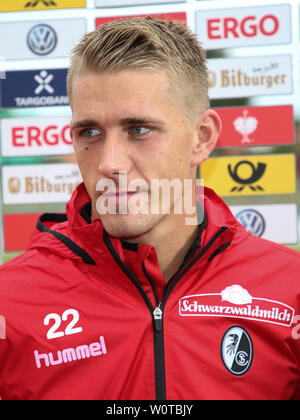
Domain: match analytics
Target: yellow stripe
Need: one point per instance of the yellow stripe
(251, 175)
(20, 5)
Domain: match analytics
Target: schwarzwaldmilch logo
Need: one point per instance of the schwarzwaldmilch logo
(236, 302)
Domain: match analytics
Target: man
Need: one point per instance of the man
(123, 299)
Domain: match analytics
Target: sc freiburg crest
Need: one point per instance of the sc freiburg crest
(237, 350)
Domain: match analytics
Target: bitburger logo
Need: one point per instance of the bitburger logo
(14, 185)
(236, 302)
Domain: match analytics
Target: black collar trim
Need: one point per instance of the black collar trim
(59, 218)
(86, 212)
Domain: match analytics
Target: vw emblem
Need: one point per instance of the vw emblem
(252, 221)
(42, 39)
(237, 350)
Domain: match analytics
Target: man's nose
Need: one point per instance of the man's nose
(114, 156)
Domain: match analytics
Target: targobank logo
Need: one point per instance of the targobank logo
(42, 39)
(37, 88)
(43, 80)
(241, 305)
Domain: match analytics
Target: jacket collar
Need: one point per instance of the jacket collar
(87, 240)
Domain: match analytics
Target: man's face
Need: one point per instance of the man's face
(125, 123)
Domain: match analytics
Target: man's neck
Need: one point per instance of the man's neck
(171, 254)
(172, 241)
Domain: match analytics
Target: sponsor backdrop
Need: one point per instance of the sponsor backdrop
(253, 60)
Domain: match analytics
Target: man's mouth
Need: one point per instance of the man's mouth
(121, 197)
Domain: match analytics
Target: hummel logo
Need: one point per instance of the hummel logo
(69, 355)
(36, 2)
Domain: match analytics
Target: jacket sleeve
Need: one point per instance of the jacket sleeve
(8, 318)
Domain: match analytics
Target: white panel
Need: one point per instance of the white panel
(35, 137)
(276, 222)
(244, 27)
(50, 183)
(48, 38)
(250, 76)
(120, 3)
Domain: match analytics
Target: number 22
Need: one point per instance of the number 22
(53, 333)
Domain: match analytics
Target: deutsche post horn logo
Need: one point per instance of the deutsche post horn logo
(35, 3)
(255, 175)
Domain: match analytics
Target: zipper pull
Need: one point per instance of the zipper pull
(157, 315)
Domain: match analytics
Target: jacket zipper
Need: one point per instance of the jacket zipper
(157, 313)
(159, 354)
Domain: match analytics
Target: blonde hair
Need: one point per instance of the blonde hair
(147, 44)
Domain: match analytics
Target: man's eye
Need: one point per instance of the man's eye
(139, 130)
(90, 132)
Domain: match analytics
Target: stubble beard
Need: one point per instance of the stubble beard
(127, 226)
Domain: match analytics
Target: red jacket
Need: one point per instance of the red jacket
(88, 316)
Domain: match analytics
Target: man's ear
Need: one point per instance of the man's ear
(208, 126)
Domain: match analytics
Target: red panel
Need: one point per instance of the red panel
(256, 126)
(167, 16)
(17, 230)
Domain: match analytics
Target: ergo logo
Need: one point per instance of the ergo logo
(35, 136)
(249, 26)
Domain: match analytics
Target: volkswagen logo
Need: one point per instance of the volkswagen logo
(252, 221)
(42, 39)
